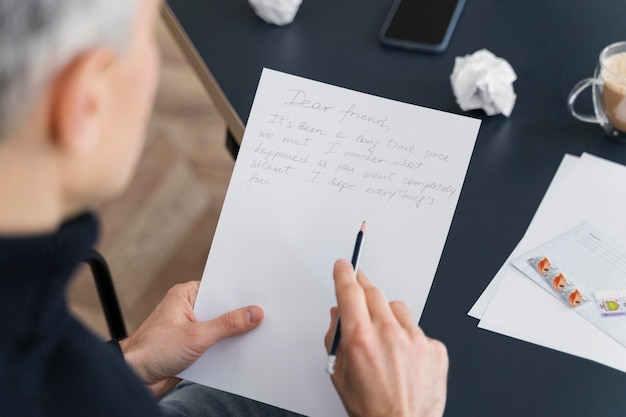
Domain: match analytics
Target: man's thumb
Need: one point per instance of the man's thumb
(235, 322)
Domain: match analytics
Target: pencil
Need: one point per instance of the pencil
(332, 356)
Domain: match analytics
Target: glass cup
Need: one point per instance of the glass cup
(608, 92)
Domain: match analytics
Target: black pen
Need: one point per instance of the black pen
(332, 356)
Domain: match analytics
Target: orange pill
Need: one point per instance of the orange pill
(559, 282)
(543, 266)
(575, 298)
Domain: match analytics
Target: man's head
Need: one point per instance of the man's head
(77, 80)
(38, 37)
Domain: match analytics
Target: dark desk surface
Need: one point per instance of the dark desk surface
(551, 44)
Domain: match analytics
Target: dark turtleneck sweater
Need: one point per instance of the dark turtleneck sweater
(50, 365)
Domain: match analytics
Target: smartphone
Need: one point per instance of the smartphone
(423, 25)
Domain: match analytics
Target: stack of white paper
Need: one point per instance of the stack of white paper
(584, 189)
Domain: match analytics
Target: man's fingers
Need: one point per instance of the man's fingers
(350, 297)
(441, 355)
(439, 352)
(376, 301)
(193, 286)
(328, 338)
(440, 349)
(403, 315)
(232, 323)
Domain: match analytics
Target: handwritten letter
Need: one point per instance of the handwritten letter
(316, 160)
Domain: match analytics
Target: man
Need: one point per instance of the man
(77, 79)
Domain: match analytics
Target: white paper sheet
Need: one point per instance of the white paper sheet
(316, 160)
(591, 191)
(567, 165)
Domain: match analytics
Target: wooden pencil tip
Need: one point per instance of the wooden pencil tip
(363, 226)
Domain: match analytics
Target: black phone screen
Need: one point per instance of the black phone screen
(421, 21)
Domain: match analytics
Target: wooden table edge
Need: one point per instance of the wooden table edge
(233, 121)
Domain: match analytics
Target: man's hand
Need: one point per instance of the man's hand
(171, 338)
(385, 366)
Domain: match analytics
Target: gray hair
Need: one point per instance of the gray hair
(39, 37)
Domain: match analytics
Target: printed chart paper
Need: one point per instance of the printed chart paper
(585, 259)
(316, 160)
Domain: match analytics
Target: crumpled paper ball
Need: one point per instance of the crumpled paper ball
(277, 12)
(484, 81)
